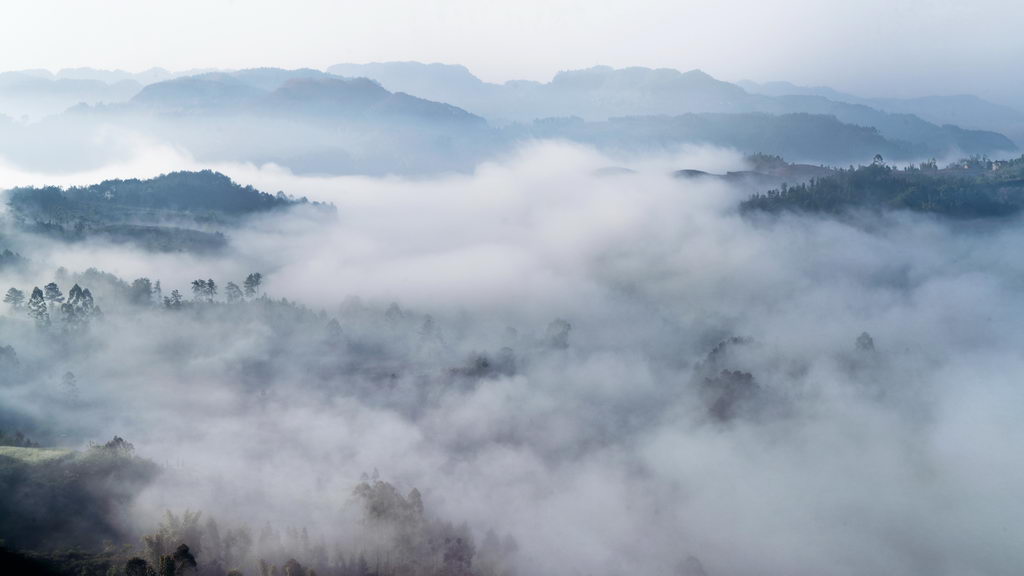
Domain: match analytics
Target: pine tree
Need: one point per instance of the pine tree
(199, 289)
(79, 308)
(53, 295)
(15, 298)
(252, 284)
(37, 309)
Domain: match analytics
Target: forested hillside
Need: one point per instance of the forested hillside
(179, 211)
(971, 188)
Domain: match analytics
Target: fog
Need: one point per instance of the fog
(615, 445)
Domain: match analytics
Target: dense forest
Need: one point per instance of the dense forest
(179, 211)
(62, 511)
(971, 188)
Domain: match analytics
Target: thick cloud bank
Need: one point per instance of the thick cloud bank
(616, 368)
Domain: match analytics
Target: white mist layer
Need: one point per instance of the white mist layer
(599, 459)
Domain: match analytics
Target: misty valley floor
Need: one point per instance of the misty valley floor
(543, 367)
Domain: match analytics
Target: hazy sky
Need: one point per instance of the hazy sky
(897, 47)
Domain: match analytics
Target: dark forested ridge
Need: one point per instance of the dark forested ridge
(971, 188)
(180, 211)
(190, 192)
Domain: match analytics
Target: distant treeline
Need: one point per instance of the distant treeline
(180, 211)
(193, 192)
(971, 188)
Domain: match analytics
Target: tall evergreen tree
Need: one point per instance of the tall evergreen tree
(15, 298)
(252, 284)
(79, 308)
(53, 295)
(199, 289)
(37, 309)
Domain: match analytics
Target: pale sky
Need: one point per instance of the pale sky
(872, 47)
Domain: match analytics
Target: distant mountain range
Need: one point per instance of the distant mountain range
(964, 110)
(34, 94)
(601, 93)
(301, 92)
(413, 118)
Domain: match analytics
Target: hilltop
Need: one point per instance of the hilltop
(176, 211)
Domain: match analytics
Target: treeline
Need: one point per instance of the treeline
(17, 439)
(971, 188)
(47, 304)
(179, 211)
(191, 192)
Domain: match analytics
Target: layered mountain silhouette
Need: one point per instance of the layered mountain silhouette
(964, 110)
(301, 92)
(413, 118)
(601, 93)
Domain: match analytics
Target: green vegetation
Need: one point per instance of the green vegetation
(21, 455)
(972, 188)
(66, 498)
(180, 211)
(204, 193)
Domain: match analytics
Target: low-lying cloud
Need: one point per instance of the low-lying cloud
(615, 453)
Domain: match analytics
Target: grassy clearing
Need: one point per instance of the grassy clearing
(33, 455)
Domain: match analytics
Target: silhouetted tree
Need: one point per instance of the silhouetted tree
(15, 298)
(252, 284)
(79, 309)
(865, 343)
(37, 309)
(184, 561)
(141, 292)
(53, 294)
(173, 302)
(199, 290)
(138, 567)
